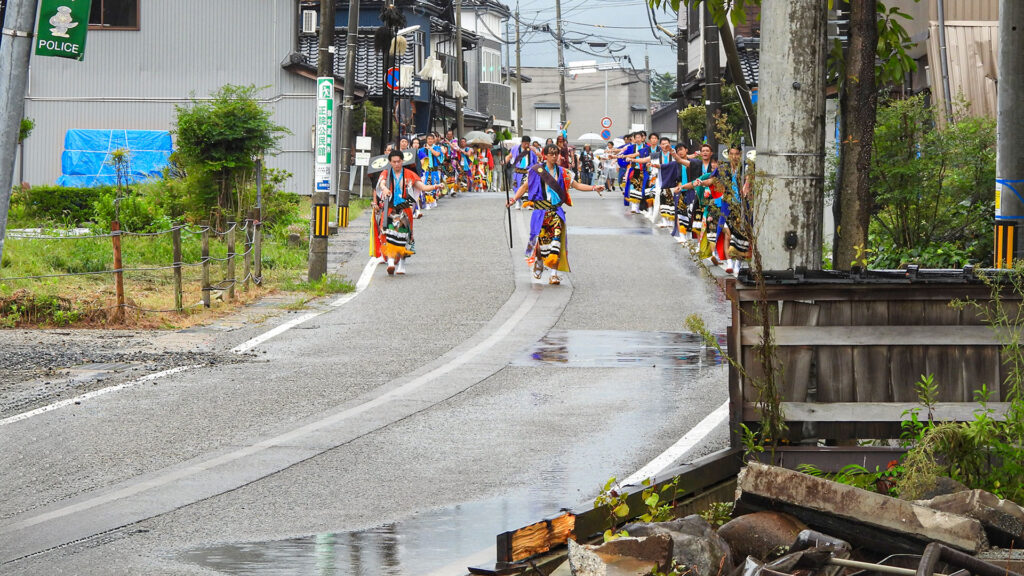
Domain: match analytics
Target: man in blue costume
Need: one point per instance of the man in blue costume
(548, 186)
(521, 159)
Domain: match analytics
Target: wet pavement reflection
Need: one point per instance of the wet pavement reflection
(448, 537)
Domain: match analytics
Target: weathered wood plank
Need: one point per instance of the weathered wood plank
(796, 360)
(945, 364)
(872, 411)
(876, 336)
(981, 367)
(906, 365)
(907, 313)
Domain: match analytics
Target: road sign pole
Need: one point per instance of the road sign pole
(321, 194)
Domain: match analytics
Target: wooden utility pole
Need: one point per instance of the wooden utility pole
(681, 71)
(460, 123)
(561, 65)
(1009, 127)
(712, 79)
(791, 134)
(519, 79)
(322, 199)
(15, 49)
(347, 107)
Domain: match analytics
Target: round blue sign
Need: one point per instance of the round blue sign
(606, 134)
(392, 78)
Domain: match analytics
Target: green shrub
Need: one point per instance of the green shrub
(58, 204)
(136, 213)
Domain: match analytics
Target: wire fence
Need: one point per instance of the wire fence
(249, 257)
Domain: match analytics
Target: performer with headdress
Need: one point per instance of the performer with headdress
(547, 185)
(393, 215)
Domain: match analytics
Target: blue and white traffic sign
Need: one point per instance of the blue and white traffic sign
(606, 122)
(392, 78)
(606, 134)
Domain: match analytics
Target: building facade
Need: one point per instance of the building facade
(621, 94)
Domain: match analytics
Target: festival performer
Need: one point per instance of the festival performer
(669, 172)
(547, 185)
(624, 154)
(394, 209)
(521, 159)
(637, 175)
(736, 221)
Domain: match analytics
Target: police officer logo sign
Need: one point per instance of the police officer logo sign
(62, 28)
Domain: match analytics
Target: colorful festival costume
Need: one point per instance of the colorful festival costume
(393, 227)
(548, 241)
(521, 162)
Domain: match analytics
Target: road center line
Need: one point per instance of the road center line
(286, 438)
(93, 394)
(364, 281)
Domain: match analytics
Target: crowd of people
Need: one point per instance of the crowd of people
(706, 205)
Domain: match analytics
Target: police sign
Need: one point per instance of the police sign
(62, 28)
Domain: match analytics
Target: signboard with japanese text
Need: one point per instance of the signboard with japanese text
(324, 142)
(62, 28)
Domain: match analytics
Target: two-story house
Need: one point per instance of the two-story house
(144, 57)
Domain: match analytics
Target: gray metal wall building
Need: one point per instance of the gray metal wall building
(132, 79)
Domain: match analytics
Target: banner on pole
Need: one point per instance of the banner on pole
(62, 28)
(324, 133)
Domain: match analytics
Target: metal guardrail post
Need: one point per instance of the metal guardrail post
(176, 241)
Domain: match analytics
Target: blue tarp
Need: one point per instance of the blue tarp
(85, 161)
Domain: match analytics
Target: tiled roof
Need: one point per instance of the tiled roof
(748, 49)
(369, 62)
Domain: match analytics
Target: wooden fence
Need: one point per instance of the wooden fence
(852, 351)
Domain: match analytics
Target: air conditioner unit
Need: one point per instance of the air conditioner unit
(309, 21)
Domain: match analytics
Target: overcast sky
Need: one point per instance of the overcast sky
(623, 24)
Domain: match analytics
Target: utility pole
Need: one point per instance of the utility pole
(1009, 127)
(712, 79)
(519, 79)
(321, 199)
(944, 60)
(15, 50)
(387, 95)
(344, 174)
(791, 134)
(561, 65)
(460, 123)
(648, 121)
(681, 71)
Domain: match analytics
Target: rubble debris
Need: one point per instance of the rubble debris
(621, 557)
(764, 535)
(1003, 519)
(695, 544)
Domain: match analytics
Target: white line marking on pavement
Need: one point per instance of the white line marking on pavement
(93, 394)
(696, 435)
(286, 438)
(364, 281)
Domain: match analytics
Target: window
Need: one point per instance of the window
(491, 67)
(693, 21)
(118, 14)
(418, 42)
(547, 119)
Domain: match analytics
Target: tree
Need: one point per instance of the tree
(223, 137)
(877, 55)
(662, 85)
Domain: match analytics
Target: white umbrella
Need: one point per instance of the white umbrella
(590, 138)
(618, 142)
(478, 137)
(511, 143)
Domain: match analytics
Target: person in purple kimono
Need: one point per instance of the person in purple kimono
(521, 159)
(547, 187)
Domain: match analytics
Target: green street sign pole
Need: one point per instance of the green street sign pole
(62, 28)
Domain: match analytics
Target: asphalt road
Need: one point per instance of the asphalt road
(421, 416)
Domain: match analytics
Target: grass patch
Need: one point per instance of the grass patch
(327, 284)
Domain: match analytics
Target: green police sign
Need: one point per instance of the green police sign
(62, 28)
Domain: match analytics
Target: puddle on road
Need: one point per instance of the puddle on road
(621, 349)
(444, 540)
(599, 231)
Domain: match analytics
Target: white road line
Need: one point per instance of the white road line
(93, 394)
(364, 281)
(696, 435)
(284, 439)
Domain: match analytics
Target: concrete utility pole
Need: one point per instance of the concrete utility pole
(460, 121)
(944, 60)
(321, 199)
(791, 134)
(519, 79)
(1009, 127)
(15, 50)
(561, 64)
(681, 72)
(345, 150)
(648, 120)
(712, 79)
